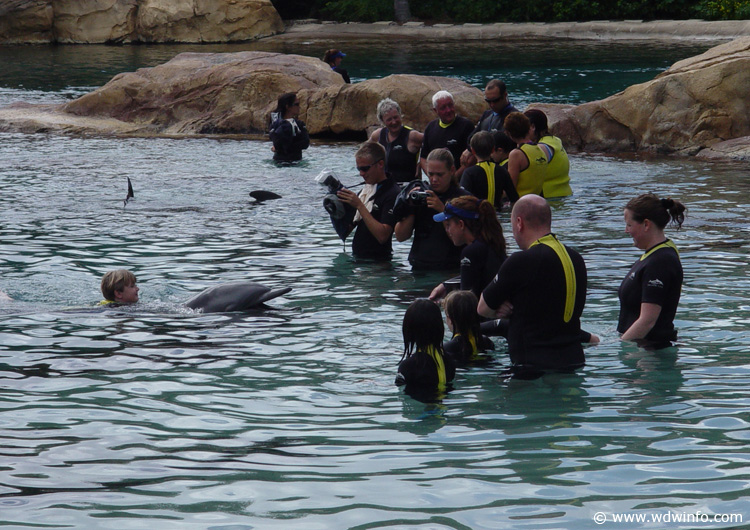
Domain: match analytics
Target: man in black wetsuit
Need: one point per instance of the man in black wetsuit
(431, 248)
(543, 290)
(374, 220)
(449, 130)
(496, 96)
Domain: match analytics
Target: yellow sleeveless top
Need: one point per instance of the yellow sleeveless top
(531, 179)
(557, 182)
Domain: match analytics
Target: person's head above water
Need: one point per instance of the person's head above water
(287, 106)
(422, 327)
(531, 219)
(333, 57)
(119, 286)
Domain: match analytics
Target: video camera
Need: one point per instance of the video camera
(331, 202)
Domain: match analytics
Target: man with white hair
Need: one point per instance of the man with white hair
(449, 130)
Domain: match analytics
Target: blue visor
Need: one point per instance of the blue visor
(452, 211)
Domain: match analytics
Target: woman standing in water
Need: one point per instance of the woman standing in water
(650, 292)
(288, 134)
(402, 144)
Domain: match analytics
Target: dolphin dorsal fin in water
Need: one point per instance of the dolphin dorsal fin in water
(263, 195)
(130, 194)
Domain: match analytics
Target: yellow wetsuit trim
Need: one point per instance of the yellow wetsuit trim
(489, 169)
(570, 278)
(667, 244)
(443, 124)
(106, 302)
(473, 342)
(557, 181)
(439, 364)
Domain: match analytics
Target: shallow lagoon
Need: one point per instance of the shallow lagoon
(157, 417)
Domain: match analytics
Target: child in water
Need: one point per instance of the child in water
(118, 288)
(423, 365)
(462, 319)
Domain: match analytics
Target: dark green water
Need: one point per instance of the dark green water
(156, 417)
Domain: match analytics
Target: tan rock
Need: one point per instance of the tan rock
(694, 104)
(26, 21)
(96, 21)
(206, 20)
(198, 93)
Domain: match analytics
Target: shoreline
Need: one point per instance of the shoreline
(603, 30)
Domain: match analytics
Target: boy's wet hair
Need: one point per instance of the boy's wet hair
(116, 281)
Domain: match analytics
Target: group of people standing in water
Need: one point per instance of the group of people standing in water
(535, 297)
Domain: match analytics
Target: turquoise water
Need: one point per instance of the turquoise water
(156, 417)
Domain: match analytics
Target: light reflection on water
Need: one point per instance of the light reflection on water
(291, 417)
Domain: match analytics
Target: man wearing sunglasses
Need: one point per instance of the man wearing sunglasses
(496, 96)
(374, 220)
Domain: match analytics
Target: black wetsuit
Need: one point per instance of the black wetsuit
(456, 350)
(289, 140)
(491, 121)
(400, 164)
(455, 137)
(342, 72)
(432, 248)
(656, 278)
(364, 244)
(419, 370)
(479, 265)
(475, 180)
(534, 281)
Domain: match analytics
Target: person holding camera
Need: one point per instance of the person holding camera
(432, 248)
(374, 219)
(288, 134)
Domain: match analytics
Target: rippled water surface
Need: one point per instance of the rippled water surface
(156, 417)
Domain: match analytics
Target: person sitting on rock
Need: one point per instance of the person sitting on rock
(334, 57)
(288, 134)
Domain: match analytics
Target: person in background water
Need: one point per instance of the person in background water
(431, 248)
(334, 57)
(118, 288)
(288, 134)
(486, 179)
(472, 224)
(449, 131)
(462, 319)
(650, 292)
(401, 143)
(424, 368)
(374, 219)
(557, 182)
(527, 164)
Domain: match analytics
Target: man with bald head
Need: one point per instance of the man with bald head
(542, 289)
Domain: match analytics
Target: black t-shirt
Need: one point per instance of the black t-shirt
(655, 279)
(479, 265)
(455, 138)
(534, 282)
(289, 140)
(432, 248)
(474, 179)
(364, 244)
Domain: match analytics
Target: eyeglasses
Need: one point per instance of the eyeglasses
(365, 169)
(494, 100)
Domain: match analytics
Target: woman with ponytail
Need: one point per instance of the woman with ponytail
(650, 292)
(473, 222)
(462, 319)
(423, 367)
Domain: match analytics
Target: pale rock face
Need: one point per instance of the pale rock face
(696, 103)
(96, 21)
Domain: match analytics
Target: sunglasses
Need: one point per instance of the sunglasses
(493, 100)
(365, 169)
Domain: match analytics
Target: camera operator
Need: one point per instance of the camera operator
(431, 248)
(374, 218)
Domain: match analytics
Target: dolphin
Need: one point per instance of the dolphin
(263, 195)
(234, 296)
(130, 194)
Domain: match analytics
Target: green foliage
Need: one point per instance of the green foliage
(487, 11)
